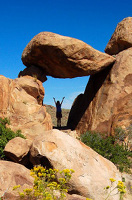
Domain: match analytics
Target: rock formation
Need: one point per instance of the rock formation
(106, 105)
(121, 38)
(64, 57)
(21, 101)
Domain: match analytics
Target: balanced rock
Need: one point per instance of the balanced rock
(21, 101)
(108, 104)
(12, 174)
(92, 172)
(64, 57)
(121, 38)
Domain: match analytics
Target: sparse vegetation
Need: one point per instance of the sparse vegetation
(109, 148)
(6, 134)
(46, 186)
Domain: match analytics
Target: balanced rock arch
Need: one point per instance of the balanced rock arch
(106, 102)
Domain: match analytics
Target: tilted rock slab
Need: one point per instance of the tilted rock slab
(64, 57)
(12, 174)
(21, 101)
(121, 38)
(61, 151)
(108, 104)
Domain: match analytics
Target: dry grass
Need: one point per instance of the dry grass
(52, 111)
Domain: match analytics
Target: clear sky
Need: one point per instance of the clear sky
(90, 21)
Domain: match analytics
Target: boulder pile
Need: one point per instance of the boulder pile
(21, 101)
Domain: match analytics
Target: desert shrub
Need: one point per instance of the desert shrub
(46, 186)
(109, 148)
(6, 134)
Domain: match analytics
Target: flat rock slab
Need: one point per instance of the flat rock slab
(64, 57)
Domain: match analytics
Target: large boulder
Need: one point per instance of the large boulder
(121, 38)
(108, 104)
(21, 100)
(64, 57)
(17, 150)
(12, 174)
(92, 172)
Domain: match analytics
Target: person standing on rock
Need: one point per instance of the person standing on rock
(58, 111)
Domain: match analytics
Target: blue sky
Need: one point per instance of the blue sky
(90, 21)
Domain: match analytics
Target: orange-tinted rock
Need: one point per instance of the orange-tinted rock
(108, 104)
(64, 57)
(12, 174)
(21, 101)
(121, 38)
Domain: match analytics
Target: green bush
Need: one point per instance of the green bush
(109, 148)
(6, 134)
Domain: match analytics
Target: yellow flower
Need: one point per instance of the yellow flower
(112, 180)
(21, 194)
(39, 174)
(16, 186)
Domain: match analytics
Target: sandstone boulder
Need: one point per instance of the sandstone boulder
(107, 105)
(121, 38)
(17, 150)
(92, 172)
(12, 174)
(64, 57)
(21, 101)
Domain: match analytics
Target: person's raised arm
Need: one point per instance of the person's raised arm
(54, 100)
(62, 100)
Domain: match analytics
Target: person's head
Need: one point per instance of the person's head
(58, 103)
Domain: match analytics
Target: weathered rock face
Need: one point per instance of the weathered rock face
(64, 57)
(12, 174)
(121, 38)
(109, 104)
(92, 172)
(21, 101)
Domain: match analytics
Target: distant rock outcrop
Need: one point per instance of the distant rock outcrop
(21, 101)
(108, 104)
(64, 57)
(121, 38)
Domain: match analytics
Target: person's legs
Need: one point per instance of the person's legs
(57, 122)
